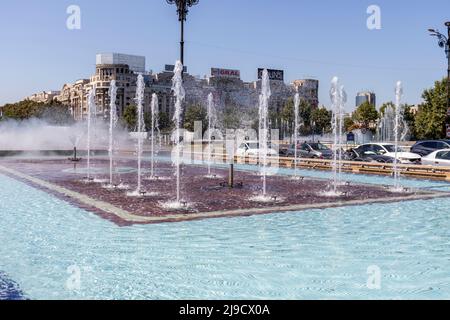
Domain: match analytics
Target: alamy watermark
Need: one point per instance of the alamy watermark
(374, 279)
(76, 273)
(73, 21)
(374, 19)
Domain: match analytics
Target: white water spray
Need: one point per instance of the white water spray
(338, 99)
(140, 95)
(112, 124)
(155, 131)
(92, 115)
(263, 126)
(296, 129)
(398, 118)
(212, 118)
(180, 94)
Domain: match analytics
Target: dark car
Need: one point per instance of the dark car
(314, 150)
(424, 148)
(365, 154)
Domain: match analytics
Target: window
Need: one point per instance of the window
(305, 147)
(377, 149)
(429, 144)
(441, 145)
(444, 155)
(319, 147)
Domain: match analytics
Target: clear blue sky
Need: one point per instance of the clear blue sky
(320, 39)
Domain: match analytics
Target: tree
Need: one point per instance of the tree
(384, 106)
(349, 124)
(366, 115)
(51, 112)
(165, 123)
(231, 117)
(130, 117)
(195, 113)
(431, 118)
(322, 119)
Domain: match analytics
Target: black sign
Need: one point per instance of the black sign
(171, 67)
(351, 137)
(273, 74)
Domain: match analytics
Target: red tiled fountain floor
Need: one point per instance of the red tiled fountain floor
(202, 193)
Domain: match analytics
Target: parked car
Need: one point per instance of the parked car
(252, 148)
(314, 150)
(364, 155)
(388, 150)
(424, 148)
(438, 158)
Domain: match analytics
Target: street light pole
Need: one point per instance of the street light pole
(182, 11)
(444, 42)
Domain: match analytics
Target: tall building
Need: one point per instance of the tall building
(135, 63)
(366, 96)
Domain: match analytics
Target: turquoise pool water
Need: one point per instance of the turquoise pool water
(308, 255)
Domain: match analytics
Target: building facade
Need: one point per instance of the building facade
(43, 97)
(366, 96)
(226, 86)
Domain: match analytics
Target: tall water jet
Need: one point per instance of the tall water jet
(263, 126)
(336, 95)
(342, 102)
(212, 119)
(155, 132)
(180, 94)
(112, 124)
(140, 95)
(398, 118)
(91, 118)
(296, 129)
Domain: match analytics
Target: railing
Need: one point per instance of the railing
(418, 171)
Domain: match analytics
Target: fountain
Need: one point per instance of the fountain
(386, 125)
(180, 94)
(263, 127)
(338, 98)
(92, 115)
(155, 131)
(112, 124)
(212, 119)
(343, 101)
(296, 129)
(140, 96)
(398, 118)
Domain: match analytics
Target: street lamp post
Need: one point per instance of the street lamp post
(444, 42)
(182, 11)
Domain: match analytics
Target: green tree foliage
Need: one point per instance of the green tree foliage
(366, 115)
(51, 112)
(349, 124)
(195, 113)
(430, 120)
(130, 117)
(232, 117)
(287, 113)
(322, 119)
(165, 123)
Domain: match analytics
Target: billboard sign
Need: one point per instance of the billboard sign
(171, 67)
(273, 74)
(225, 73)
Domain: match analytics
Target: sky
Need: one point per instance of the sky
(308, 39)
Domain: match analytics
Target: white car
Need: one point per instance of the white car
(438, 158)
(251, 148)
(388, 150)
